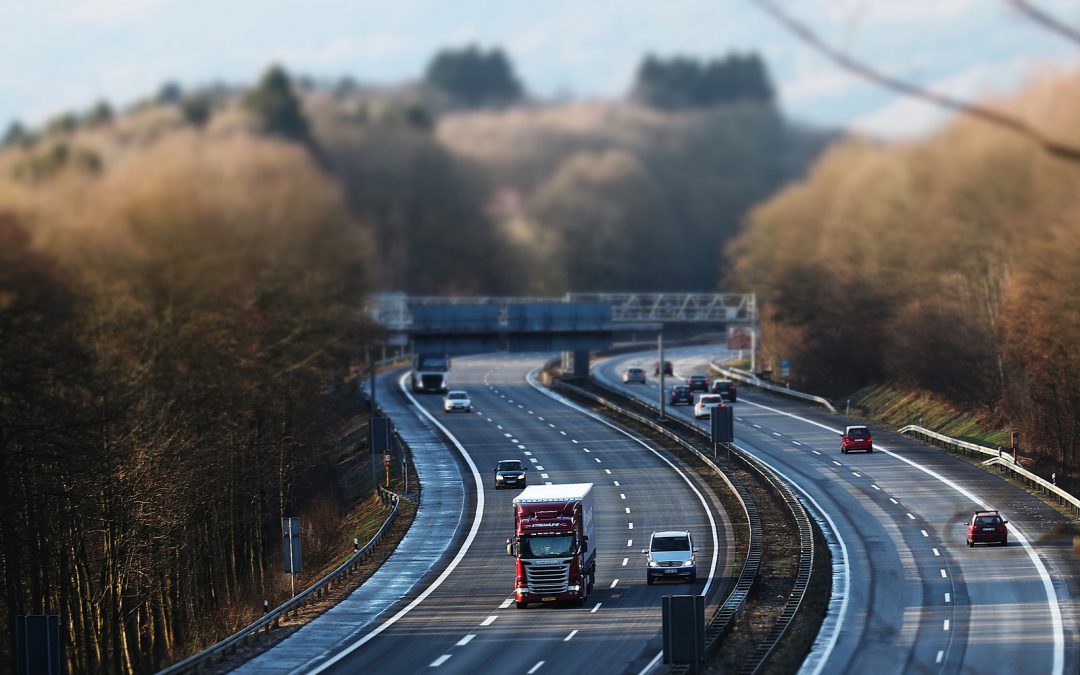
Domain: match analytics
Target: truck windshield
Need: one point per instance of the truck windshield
(559, 546)
(432, 363)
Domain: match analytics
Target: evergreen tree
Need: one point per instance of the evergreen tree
(277, 107)
(474, 77)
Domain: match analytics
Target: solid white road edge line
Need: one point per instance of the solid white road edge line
(531, 379)
(1044, 575)
(827, 643)
(478, 516)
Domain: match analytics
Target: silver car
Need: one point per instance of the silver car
(457, 400)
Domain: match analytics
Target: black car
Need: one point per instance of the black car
(510, 473)
(698, 383)
(668, 368)
(726, 389)
(681, 393)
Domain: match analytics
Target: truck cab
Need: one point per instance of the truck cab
(553, 544)
(429, 373)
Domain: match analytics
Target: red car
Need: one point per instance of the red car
(697, 383)
(856, 438)
(987, 527)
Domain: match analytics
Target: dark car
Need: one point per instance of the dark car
(510, 473)
(987, 527)
(633, 375)
(856, 438)
(698, 383)
(681, 393)
(668, 368)
(726, 389)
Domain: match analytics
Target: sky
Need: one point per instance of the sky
(61, 55)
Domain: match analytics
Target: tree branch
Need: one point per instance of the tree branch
(1046, 20)
(1019, 126)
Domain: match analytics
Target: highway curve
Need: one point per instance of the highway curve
(910, 596)
(468, 623)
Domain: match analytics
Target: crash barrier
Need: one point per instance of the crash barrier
(754, 380)
(731, 609)
(292, 607)
(997, 458)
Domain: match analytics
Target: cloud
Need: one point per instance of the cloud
(823, 83)
(908, 117)
(111, 12)
(345, 51)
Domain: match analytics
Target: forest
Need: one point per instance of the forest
(949, 265)
(181, 293)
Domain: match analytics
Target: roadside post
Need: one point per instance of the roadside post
(386, 465)
(722, 426)
(290, 532)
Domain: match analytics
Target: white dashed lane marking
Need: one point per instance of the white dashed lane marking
(490, 620)
(439, 661)
(535, 668)
(467, 639)
(570, 636)
(593, 610)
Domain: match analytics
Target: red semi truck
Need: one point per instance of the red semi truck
(553, 544)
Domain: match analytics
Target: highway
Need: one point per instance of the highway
(911, 596)
(460, 618)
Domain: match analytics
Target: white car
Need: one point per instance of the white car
(705, 404)
(457, 400)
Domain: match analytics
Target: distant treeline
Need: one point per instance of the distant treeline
(950, 265)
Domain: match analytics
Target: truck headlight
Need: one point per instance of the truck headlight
(573, 589)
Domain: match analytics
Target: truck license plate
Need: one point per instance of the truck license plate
(549, 598)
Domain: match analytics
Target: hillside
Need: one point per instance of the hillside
(950, 265)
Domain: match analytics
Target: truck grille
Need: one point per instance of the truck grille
(432, 381)
(547, 578)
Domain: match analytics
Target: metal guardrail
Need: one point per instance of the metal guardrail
(732, 607)
(754, 380)
(309, 596)
(997, 457)
(724, 618)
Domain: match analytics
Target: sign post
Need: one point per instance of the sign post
(290, 532)
(386, 465)
(722, 426)
(660, 367)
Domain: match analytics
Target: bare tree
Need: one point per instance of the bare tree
(1053, 146)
